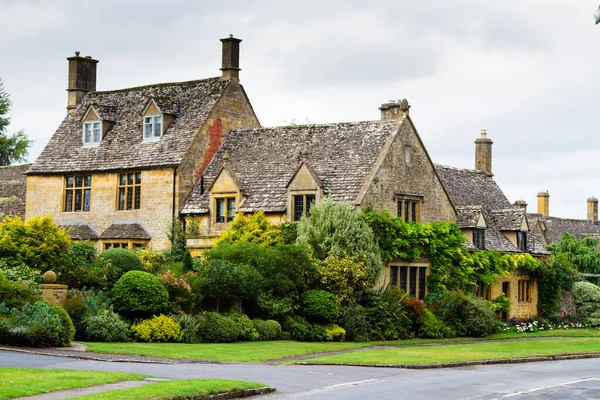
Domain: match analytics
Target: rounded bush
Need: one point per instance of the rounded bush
(159, 328)
(106, 326)
(320, 306)
(245, 326)
(587, 300)
(122, 261)
(67, 334)
(267, 330)
(429, 326)
(463, 315)
(139, 294)
(217, 328)
(189, 327)
(335, 333)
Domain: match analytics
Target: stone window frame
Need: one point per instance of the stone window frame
(228, 215)
(524, 291)
(135, 188)
(479, 238)
(128, 244)
(409, 205)
(92, 127)
(305, 195)
(153, 125)
(401, 276)
(71, 189)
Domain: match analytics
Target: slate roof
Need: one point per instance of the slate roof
(468, 216)
(555, 227)
(80, 230)
(123, 147)
(126, 230)
(264, 160)
(13, 189)
(469, 189)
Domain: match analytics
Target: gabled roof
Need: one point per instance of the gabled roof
(264, 160)
(13, 190)
(555, 227)
(510, 219)
(123, 146)
(80, 230)
(468, 216)
(126, 230)
(104, 112)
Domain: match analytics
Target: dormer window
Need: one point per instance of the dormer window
(479, 238)
(152, 127)
(522, 240)
(92, 132)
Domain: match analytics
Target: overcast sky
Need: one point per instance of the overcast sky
(525, 70)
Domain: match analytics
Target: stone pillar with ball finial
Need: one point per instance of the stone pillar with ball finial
(53, 293)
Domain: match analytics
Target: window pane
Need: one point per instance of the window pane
(69, 181)
(406, 219)
(97, 134)
(148, 120)
(78, 181)
(412, 282)
(129, 198)
(78, 200)
(422, 272)
(138, 178)
(220, 210)
(138, 196)
(87, 181)
(310, 199)
(86, 199)
(130, 179)
(87, 133)
(157, 126)
(121, 198)
(399, 208)
(147, 131)
(122, 179)
(298, 207)
(414, 211)
(403, 280)
(230, 209)
(69, 200)
(394, 275)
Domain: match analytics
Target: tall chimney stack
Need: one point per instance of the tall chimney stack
(231, 58)
(395, 110)
(544, 203)
(521, 204)
(592, 209)
(82, 79)
(483, 154)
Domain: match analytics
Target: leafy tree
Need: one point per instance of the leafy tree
(255, 228)
(177, 237)
(13, 148)
(340, 230)
(579, 255)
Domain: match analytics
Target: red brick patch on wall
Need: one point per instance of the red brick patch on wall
(215, 138)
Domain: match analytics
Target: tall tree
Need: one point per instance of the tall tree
(13, 148)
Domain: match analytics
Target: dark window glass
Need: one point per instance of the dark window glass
(130, 179)
(422, 272)
(129, 198)
(220, 210)
(310, 199)
(403, 278)
(130, 191)
(414, 211)
(406, 212)
(138, 178)
(522, 240)
(298, 207)
(78, 181)
(86, 199)
(394, 275)
(121, 198)
(69, 181)
(399, 211)
(479, 238)
(87, 181)
(230, 210)
(122, 179)
(78, 200)
(412, 281)
(69, 200)
(138, 196)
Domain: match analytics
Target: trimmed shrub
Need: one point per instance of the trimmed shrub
(106, 326)
(335, 333)
(320, 306)
(159, 328)
(189, 327)
(67, 333)
(217, 328)
(245, 327)
(139, 294)
(17, 294)
(122, 261)
(297, 327)
(463, 315)
(587, 299)
(430, 327)
(267, 330)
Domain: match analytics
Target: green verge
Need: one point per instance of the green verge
(275, 350)
(480, 351)
(177, 389)
(20, 382)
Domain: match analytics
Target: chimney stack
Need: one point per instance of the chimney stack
(483, 154)
(592, 209)
(82, 79)
(231, 58)
(544, 203)
(521, 204)
(395, 110)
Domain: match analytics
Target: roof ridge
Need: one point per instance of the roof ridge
(157, 85)
(323, 124)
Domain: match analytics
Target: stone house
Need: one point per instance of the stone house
(284, 170)
(120, 165)
(12, 190)
(490, 222)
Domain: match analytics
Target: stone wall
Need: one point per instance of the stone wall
(523, 309)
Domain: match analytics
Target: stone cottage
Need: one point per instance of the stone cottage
(120, 165)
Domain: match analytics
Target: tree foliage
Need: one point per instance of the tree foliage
(13, 148)
(578, 255)
(254, 228)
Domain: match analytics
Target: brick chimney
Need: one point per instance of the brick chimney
(483, 154)
(82, 79)
(592, 209)
(231, 58)
(395, 110)
(544, 203)
(521, 204)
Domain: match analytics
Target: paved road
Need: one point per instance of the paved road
(573, 379)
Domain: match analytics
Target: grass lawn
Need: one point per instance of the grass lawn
(19, 382)
(179, 389)
(267, 351)
(466, 352)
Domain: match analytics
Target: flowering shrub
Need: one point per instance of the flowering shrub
(158, 329)
(537, 325)
(181, 297)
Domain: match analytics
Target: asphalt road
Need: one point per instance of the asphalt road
(572, 379)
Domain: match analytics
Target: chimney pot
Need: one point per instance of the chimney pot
(231, 58)
(521, 204)
(77, 54)
(395, 110)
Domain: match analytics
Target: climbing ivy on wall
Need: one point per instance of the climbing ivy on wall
(453, 267)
